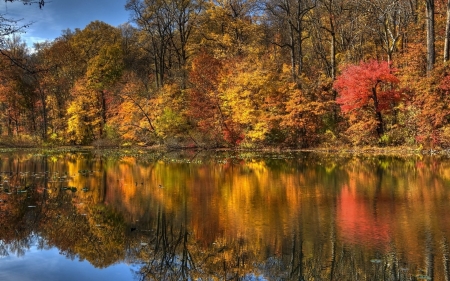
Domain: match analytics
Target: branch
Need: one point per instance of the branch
(41, 3)
(149, 120)
(281, 45)
(22, 66)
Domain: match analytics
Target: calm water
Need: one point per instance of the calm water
(139, 216)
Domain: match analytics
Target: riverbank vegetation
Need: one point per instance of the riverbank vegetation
(237, 73)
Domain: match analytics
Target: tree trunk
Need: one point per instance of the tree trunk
(44, 117)
(380, 129)
(333, 56)
(431, 55)
(300, 47)
(155, 60)
(292, 50)
(103, 113)
(447, 34)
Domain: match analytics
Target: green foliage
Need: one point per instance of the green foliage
(22, 140)
(105, 68)
(169, 124)
(110, 138)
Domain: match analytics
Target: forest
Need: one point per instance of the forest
(235, 74)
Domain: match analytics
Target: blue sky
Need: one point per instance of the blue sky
(58, 15)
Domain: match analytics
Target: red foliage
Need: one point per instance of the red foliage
(232, 133)
(357, 224)
(358, 83)
(203, 100)
(204, 73)
(445, 83)
(205, 104)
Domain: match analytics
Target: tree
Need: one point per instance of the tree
(18, 99)
(306, 115)
(103, 71)
(82, 112)
(62, 67)
(154, 19)
(229, 29)
(367, 86)
(447, 34)
(431, 55)
(433, 111)
(9, 27)
(329, 17)
(251, 98)
(205, 108)
(136, 112)
(99, 49)
(292, 15)
(388, 21)
(184, 14)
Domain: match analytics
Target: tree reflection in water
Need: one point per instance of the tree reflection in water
(171, 254)
(254, 218)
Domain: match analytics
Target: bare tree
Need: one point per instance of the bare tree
(9, 27)
(392, 19)
(292, 17)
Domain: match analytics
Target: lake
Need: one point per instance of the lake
(140, 215)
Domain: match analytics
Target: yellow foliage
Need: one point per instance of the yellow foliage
(251, 96)
(83, 114)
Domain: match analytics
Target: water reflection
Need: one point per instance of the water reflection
(231, 217)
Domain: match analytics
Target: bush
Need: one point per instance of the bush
(20, 141)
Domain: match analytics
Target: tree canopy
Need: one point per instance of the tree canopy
(259, 73)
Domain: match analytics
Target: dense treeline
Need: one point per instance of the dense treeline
(248, 73)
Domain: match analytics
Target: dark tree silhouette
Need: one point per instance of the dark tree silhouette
(9, 27)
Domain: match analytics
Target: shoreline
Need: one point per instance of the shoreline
(378, 151)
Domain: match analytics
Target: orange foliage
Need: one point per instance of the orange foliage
(432, 100)
(203, 96)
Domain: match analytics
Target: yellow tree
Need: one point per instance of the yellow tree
(251, 98)
(228, 27)
(87, 112)
(103, 71)
(62, 68)
(82, 116)
(101, 62)
(136, 112)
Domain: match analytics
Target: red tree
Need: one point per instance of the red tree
(367, 86)
(204, 109)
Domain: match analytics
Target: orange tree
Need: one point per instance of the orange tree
(432, 105)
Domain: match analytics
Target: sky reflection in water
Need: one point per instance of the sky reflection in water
(50, 265)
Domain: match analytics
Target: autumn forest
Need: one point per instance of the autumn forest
(235, 73)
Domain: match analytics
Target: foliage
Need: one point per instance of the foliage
(368, 83)
(365, 92)
(433, 118)
(233, 74)
(306, 113)
(82, 115)
(205, 109)
(251, 98)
